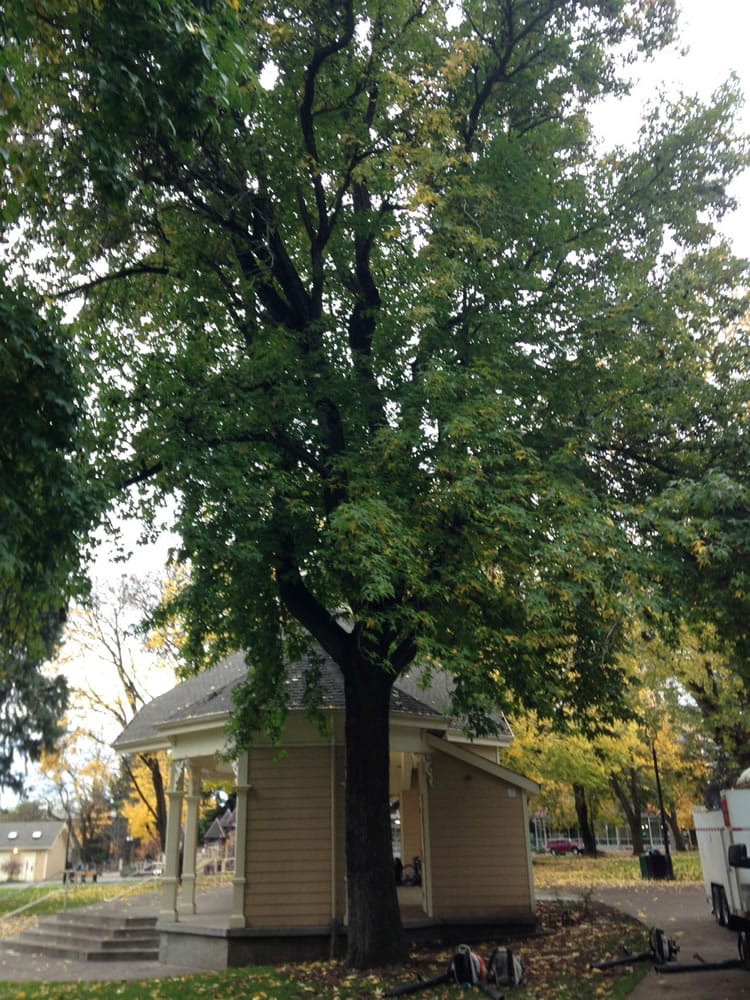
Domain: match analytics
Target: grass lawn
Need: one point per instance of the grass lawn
(51, 898)
(557, 962)
(613, 869)
(557, 957)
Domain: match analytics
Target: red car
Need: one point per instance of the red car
(564, 847)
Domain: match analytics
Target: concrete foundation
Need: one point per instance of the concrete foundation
(232, 947)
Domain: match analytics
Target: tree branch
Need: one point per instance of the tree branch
(141, 475)
(302, 604)
(306, 111)
(127, 272)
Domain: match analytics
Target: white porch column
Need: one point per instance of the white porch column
(424, 774)
(170, 878)
(186, 905)
(242, 788)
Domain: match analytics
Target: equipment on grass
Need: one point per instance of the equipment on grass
(468, 969)
(504, 968)
(663, 948)
(661, 951)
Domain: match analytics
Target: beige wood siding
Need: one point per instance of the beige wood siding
(50, 864)
(339, 778)
(291, 843)
(478, 844)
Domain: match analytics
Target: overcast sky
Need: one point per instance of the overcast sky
(714, 36)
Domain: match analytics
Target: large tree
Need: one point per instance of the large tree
(402, 346)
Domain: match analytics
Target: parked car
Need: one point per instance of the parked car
(564, 846)
(151, 868)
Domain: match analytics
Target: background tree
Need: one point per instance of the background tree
(139, 807)
(27, 810)
(573, 778)
(707, 671)
(583, 774)
(79, 790)
(662, 718)
(110, 630)
(367, 302)
(12, 868)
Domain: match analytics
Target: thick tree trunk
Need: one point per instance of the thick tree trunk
(584, 819)
(374, 932)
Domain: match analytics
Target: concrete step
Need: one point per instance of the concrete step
(48, 936)
(85, 918)
(17, 946)
(86, 936)
(98, 928)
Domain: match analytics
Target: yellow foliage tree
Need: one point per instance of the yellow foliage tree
(588, 777)
(141, 809)
(79, 775)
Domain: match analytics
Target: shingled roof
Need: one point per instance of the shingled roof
(208, 695)
(29, 835)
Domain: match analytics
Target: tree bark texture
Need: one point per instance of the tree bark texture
(584, 819)
(374, 918)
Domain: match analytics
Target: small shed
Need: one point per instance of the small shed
(457, 808)
(32, 851)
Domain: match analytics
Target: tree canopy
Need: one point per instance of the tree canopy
(413, 358)
(44, 512)
(46, 497)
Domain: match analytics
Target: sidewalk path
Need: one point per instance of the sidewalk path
(682, 912)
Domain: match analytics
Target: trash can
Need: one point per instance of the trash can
(653, 865)
(658, 865)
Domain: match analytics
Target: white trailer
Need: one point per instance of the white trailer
(723, 837)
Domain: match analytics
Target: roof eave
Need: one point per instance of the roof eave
(496, 770)
(149, 745)
(193, 724)
(458, 736)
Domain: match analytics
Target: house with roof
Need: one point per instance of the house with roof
(218, 848)
(220, 829)
(32, 851)
(456, 808)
